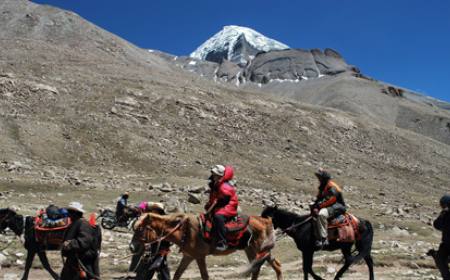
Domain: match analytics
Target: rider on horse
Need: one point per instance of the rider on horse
(223, 202)
(329, 204)
(122, 204)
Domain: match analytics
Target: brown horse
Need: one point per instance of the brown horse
(184, 230)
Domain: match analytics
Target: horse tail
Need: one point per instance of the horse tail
(364, 246)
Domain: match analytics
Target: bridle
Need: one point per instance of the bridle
(147, 235)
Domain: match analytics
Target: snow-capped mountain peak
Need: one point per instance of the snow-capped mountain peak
(237, 44)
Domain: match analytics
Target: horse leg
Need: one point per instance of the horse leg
(276, 265)
(185, 261)
(44, 260)
(28, 263)
(369, 262)
(348, 261)
(307, 266)
(202, 266)
(251, 255)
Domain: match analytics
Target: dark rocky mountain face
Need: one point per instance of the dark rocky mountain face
(295, 65)
(240, 51)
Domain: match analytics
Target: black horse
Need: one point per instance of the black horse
(25, 225)
(301, 229)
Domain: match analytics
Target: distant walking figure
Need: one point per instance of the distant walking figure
(442, 223)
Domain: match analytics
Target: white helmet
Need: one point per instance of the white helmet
(218, 170)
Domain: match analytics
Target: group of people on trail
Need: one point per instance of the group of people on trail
(81, 250)
(223, 205)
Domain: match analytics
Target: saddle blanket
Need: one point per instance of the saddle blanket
(344, 228)
(235, 229)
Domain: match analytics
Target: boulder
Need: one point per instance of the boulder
(194, 198)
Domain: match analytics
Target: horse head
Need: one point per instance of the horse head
(143, 233)
(270, 212)
(10, 219)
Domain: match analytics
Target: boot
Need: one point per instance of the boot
(221, 246)
(322, 243)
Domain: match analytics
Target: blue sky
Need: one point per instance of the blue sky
(404, 42)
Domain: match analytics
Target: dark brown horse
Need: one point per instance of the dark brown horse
(25, 225)
(184, 230)
(301, 229)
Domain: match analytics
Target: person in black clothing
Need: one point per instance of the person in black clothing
(442, 223)
(79, 246)
(121, 207)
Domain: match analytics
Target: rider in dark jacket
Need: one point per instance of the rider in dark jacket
(329, 204)
(121, 206)
(442, 223)
(79, 247)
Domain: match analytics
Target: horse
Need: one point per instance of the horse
(301, 229)
(184, 230)
(25, 225)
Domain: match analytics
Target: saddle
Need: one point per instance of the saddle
(235, 229)
(49, 229)
(344, 228)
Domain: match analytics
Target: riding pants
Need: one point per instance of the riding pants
(219, 228)
(322, 223)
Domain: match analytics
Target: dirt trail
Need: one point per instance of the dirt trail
(291, 270)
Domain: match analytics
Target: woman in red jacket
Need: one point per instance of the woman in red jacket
(223, 202)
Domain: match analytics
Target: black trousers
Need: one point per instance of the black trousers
(144, 273)
(442, 258)
(219, 228)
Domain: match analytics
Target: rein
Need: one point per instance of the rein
(286, 230)
(297, 224)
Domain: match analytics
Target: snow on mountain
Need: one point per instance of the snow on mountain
(237, 44)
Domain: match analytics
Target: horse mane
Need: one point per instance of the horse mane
(169, 218)
(291, 215)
